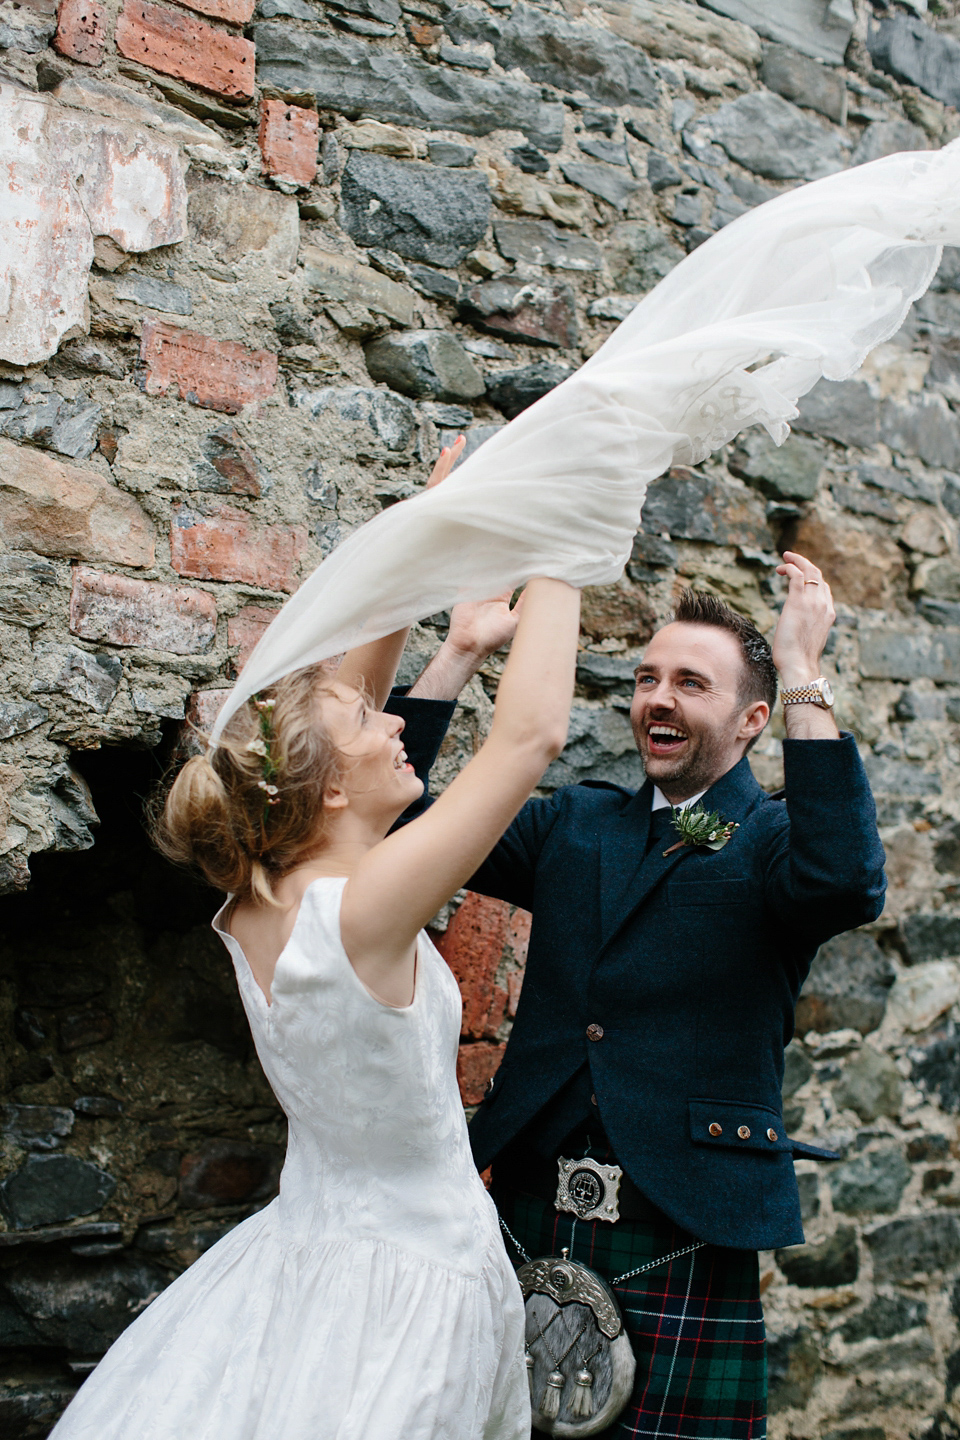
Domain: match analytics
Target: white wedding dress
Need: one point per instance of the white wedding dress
(373, 1299)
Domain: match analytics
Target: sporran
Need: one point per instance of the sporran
(580, 1363)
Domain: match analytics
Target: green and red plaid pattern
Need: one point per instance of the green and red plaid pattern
(696, 1324)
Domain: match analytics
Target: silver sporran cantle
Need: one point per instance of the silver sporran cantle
(580, 1362)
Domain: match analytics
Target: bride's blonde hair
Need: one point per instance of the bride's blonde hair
(251, 808)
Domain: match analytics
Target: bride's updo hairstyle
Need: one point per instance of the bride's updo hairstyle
(251, 808)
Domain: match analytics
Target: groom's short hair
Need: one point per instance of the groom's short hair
(759, 678)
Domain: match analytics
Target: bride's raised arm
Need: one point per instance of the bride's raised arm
(401, 882)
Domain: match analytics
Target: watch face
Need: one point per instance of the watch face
(826, 690)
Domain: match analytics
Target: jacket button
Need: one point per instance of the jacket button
(744, 1132)
(772, 1135)
(593, 1099)
(594, 1032)
(489, 1088)
(716, 1129)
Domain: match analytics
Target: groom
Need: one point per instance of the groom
(660, 990)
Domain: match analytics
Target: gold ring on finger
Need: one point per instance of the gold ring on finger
(811, 582)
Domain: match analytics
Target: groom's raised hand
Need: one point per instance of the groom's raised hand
(799, 641)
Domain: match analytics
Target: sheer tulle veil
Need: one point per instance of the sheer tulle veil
(799, 289)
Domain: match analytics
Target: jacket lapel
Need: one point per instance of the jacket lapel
(626, 877)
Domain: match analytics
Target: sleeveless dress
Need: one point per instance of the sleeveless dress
(373, 1299)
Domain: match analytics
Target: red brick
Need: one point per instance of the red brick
(245, 630)
(204, 707)
(476, 1065)
(228, 545)
(289, 135)
(123, 611)
(81, 31)
(215, 374)
(175, 44)
(473, 948)
(236, 12)
(226, 1172)
(234, 461)
(424, 34)
(68, 512)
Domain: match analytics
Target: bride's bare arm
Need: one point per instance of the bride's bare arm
(405, 879)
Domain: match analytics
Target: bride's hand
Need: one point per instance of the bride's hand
(449, 456)
(478, 628)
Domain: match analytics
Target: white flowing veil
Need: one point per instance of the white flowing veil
(800, 288)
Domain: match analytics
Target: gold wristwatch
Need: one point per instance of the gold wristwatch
(818, 692)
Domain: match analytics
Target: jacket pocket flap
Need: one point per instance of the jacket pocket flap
(737, 1125)
(697, 891)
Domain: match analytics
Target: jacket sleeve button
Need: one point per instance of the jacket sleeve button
(594, 1032)
(716, 1129)
(772, 1135)
(744, 1132)
(489, 1088)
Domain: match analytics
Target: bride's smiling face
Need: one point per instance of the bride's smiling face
(375, 775)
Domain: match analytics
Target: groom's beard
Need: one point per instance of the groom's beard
(704, 758)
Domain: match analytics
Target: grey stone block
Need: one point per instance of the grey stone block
(935, 1067)
(445, 152)
(539, 312)
(872, 1181)
(600, 746)
(931, 936)
(529, 159)
(687, 210)
(863, 502)
(887, 137)
(819, 28)
(468, 59)
(842, 410)
(600, 180)
(48, 1189)
(798, 78)
(82, 1310)
(353, 79)
(19, 717)
(916, 54)
(424, 362)
(790, 471)
(466, 23)
(36, 1127)
(436, 283)
(576, 56)
(661, 172)
(612, 307)
(771, 137)
(639, 255)
(847, 986)
(870, 1086)
(614, 152)
(606, 674)
(905, 655)
(420, 211)
(514, 390)
(793, 1368)
(833, 1261)
(688, 506)
(537, 242)
(797, 1069)
(154, 294)
(388, 419)
(903, 778)
(884, 1317)
(903, 1249)
(928, 429)
(476, 436)
(727, 208)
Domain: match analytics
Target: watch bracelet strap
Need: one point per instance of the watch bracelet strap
(802, 695)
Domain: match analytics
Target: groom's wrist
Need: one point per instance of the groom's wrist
(446, 675)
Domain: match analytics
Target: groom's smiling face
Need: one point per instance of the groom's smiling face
(689, 718)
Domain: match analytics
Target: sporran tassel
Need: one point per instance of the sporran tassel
(581, 1406)
(550, 1402)
(530, 1374)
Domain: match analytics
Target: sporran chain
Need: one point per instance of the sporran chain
(627, 1274)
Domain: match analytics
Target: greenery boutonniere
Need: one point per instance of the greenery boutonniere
(696, 827)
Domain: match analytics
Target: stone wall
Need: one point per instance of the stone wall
(255, 269)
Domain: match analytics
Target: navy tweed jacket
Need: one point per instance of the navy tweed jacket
(690, 963)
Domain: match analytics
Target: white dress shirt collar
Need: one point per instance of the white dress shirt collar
(660, 801)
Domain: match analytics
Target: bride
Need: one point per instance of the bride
(373, 1299)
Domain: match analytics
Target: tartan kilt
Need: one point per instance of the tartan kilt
(696, 1324)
